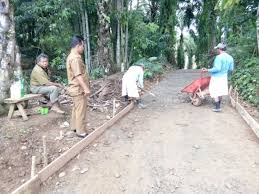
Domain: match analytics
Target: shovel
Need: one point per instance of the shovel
(147, 92)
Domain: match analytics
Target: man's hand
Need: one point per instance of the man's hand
(141, 93)
(87, 92)
(204, 69)
(59, 85)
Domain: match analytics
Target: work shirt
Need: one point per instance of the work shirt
(39, 76)
(223, 64)
(135, 74)
(75, 67)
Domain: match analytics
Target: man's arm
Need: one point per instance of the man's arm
(141, 79)
(54, 84)
(216, 67)
(82, 83)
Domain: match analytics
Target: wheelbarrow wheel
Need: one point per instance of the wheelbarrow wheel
(196, 100)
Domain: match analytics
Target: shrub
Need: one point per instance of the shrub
(97, 73)
(152, 69)
(246, 80)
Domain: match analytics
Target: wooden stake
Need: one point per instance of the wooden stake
(33, 166)
(114, 108)
(45, 158)
(61, 134)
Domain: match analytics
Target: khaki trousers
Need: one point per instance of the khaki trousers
(51, 91)
(79, 114)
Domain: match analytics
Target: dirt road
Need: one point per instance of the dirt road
(169, 147)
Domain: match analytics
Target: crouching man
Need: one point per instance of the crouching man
(41, 84)
(132, 83)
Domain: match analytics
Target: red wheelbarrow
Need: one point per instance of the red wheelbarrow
(198, 90)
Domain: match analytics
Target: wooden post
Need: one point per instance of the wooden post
(61, 134)
(33, 166)
(11, 111)
(22, 111)
(45, 158)
(114, 108)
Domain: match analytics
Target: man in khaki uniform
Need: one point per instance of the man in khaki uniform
(41, 84)
(78, 86)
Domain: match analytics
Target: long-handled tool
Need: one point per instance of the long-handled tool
(152, 94)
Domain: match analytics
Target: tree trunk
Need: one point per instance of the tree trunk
(122, 49)
(257, 28)
(103, 35)
(125, 61)
(9, 52)
(153, 10)
(83, 20)
(213, 40)
(126, 46)
(88, 42)
(138, 4)
(118, 37)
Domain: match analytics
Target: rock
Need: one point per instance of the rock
(130, 135)
(22, 174)
(95, 145)
(196, 147)
(83, 170)
(64, 125)
(57, 183)
(117, 105)
(172, 171)
(136, 120)
(75, 168)
(23, 148)
(70, 134)
(229, 186)
(158, 184)
(88, 124)
(65, 149)
(117, 175)
(106, 142)
(122, 188)
(108, 117)
(62, 174)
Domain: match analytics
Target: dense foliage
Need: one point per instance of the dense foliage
(126, 31)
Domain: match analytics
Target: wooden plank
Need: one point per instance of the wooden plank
(246, 116)
(32, 186)
(22, 111)
(11, 111)
(26, 97)
(58, 163)
(30, 111)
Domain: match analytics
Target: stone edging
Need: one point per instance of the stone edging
(32, 186)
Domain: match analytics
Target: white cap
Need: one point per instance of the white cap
(220, 46)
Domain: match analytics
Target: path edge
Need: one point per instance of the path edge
(32, 186)
(252, 123)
